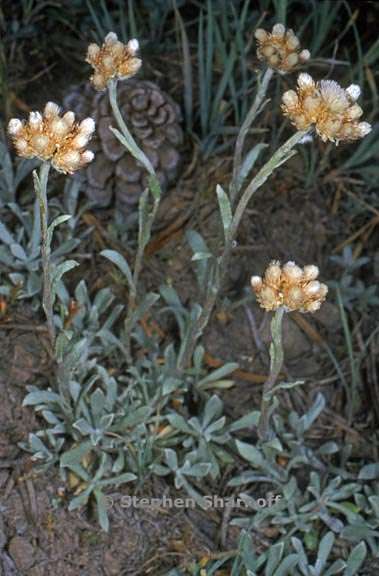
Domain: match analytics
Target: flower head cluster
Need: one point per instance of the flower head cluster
(280, 48)
(289, 286)
(327, 106)
(50, 136)
(112, 60)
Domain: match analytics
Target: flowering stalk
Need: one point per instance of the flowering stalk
(112, 62)
(58, 141)
(281, 155)
(276, 363)
(145, 225)
(283, 289)
(40, 187)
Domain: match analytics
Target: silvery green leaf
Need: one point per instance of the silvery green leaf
(275, 555)
(148, 302)
(119, 463)
(250, 453)
(121, 263)
(160, 470)
(219, 385)
(58, 273)
(5, 235)
(116, 480)
(250, 420)
(199, 246)
(80, 500)
(36, 444)
(247, 478)
(215, 427)
(50, 417)
(374, 501)
(198, 470)
(24, 167)
(303, 560)
(170, 296)
(65, 247)
(40, 397)
(287, 386)
(143, 219)
(33, 284)
(180, 482)
(83, 426)
(217, 374)
(138, 416)
(329, 448)
(313, 413)
(56, 222)
(103, 300)
(356, 558)
(7, 172)
(6, 258)
(336, 568)
(36, 231)
(75, 455)
(75, 390)
(76, 355)
(198, 357)
(290, 489)
(248, 163)
(102, 509)
(201, 256)
(179, 423)
(195, 423)
(212, 409)
(359, 531)
(324, 550)
(334, 524)
(62, 343)
(106, 421)
(23, 217)
(154, 187)
(81, 294)
(170, 384)
(71, 195)
(286, 567)
(97, 402)
(225, 209)
(171, 458)
(18, 251)
(369, 472)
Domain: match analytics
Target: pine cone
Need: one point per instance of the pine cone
(154, 120)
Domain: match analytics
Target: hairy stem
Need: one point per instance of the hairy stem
(40, 187)
(276, 363)
(145, 224)
(279, 157)
(250, 117)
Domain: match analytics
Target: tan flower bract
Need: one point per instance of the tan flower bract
(55, 138)
(112, 60)
(290, 287)
(328, 107)
(280, 49)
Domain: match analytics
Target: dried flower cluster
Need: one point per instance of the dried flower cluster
(112, 60)
(289, 286)
(50, 136)
(280, 49)
(327, 106)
